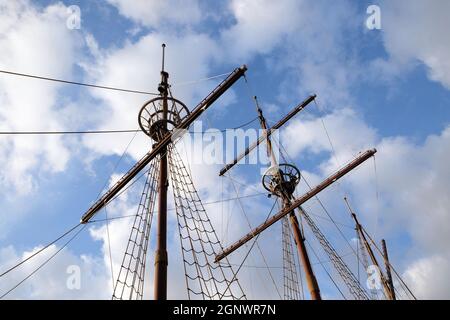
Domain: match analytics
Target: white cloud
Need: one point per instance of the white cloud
(37, 42)
(309, 135)
(156, 13)
(51, 280)
(320, 64)
(315, 40)
(413, 182)
(429, 277)
(260, 25)
(416, 31)
(411, 178)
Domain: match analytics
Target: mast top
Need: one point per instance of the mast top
(164, 85)
(163, 53)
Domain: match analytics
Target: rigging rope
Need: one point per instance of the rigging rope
(253, 244)
(228, 129)
(77, 83)
(313, 214)
(327, 134)
(323, 207)
(117, 163)
(106, 212)
(339, 264)
(135, 180)
(64, 234)
(66, 132)
(116, 131)
(325, 269)
(109, 249)
(185, 83)
(112, 218)
(40, 250)
(291, 285)
(257, 244)
(27, 75)
(377, 194)
(281, 267)
(173, 209)
(392, 267)
(42, 264)
(364, 260)
(341, 267)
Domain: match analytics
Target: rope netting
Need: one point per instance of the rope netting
(341, 267)
(130, 282)
(290, 277)
(199, 242)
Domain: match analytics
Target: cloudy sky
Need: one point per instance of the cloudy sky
(386, 88)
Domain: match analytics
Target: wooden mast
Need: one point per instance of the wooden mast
(297, 202)
(388, 269)
(286, 196)
(161, 259)
(386, 286)
(163, 135)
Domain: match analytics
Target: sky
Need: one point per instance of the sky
(385, 88)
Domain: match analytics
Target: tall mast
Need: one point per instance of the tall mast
(297, 202)
(284, 189)
(158, 118)
(161, 259)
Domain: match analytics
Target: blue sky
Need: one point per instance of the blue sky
(376, 88)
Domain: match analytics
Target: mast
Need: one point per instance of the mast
(181, 125)
(269, 132)
(285, 194)
(386, 286)
(161, 259)
(163, 119)
(388, 268)
(297, 202)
